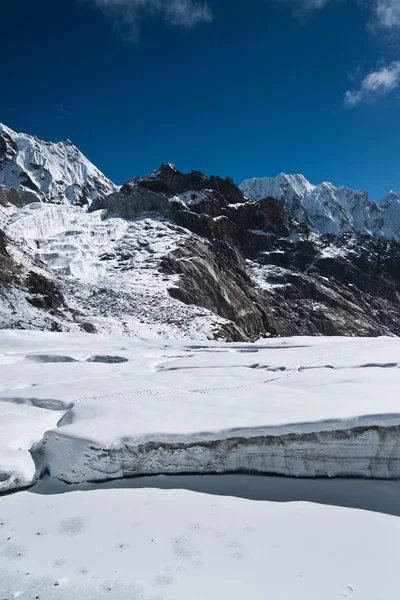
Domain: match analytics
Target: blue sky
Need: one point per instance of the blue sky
(231, 87)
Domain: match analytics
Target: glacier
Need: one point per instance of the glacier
(90, 407)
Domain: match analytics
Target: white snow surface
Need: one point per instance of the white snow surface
(157, 544)
(329, 209)
(54, 172)
(174, 538)
(179, 392)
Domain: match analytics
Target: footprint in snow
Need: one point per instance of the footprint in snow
(249, 529)
(73, 526)
(347, 591)
(122, 546)
(12, 551)
(59, 562)
(198, 563)
(220, 534)
(194, 526)
(182, 547)
(232, 544)
(162, 580)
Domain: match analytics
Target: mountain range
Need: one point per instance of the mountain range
(185, 255)
(329, 209)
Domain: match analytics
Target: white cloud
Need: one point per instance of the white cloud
(126, 14)
(387, 14)
(375, 84)
(187, 13)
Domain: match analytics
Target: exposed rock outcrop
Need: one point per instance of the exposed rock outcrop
(14, 197)
(213, 275)
(169, 180)
(266, 273)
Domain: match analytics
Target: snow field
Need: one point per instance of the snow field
(296, 406)
(148, 544)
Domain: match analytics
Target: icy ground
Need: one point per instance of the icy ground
(95, 408)
(70, 405)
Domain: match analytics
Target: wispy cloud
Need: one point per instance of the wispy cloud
(384, 13)
(383, 21)
(375, 84)
(387, 14)
(126, 14)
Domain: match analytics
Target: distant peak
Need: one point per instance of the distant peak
(54, 172)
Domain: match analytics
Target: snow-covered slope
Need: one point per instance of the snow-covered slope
(329, 209)
(53, 172)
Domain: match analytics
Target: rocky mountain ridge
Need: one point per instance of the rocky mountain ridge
(325, 208)
(297, 282)
(174, 255)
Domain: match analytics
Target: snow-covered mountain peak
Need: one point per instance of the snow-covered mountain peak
(326, 208)
(282, 186)
(391, 197)
(54, 172)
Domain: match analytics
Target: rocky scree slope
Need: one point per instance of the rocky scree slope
(325, 208)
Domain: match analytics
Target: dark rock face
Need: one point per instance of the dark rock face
(45, 293)
(8, 269)
(213, 275)
(170, 181)
(265, 215)
(15, 197)
(38, 290)
(88, 328)
(306, 284)
(8, 148)
(138, 202)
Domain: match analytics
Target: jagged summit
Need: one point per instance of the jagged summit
(326, 208)
(170, 181)
(53, 172)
